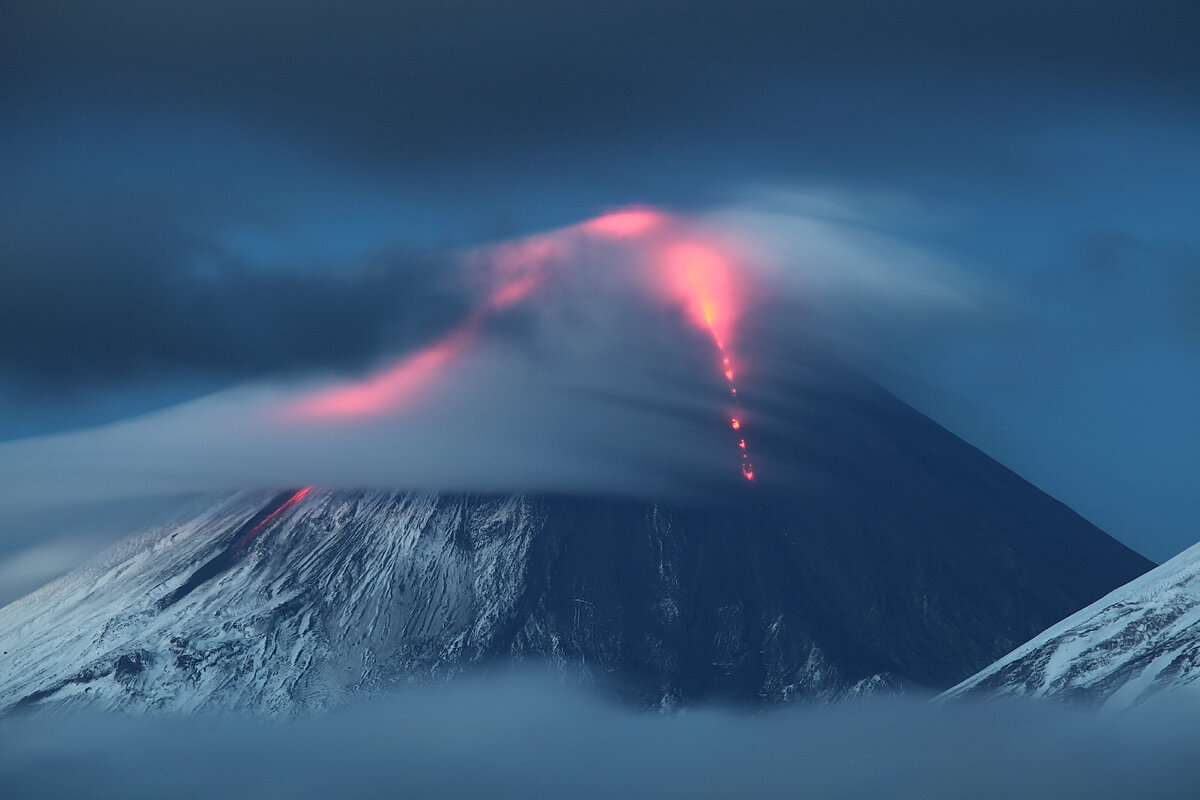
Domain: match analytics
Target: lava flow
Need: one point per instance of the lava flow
(291, 501)
(698, 275)
(704, 277)
(519, 269)
(677, 256)
(235, 550)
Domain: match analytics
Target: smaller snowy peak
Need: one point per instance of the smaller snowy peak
(1135, 642)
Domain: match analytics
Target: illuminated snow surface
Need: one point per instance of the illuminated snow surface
(296, 622)
(1122, 650)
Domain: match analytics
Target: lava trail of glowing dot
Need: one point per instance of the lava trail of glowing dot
(684, 270)
(291, 501)
(707, 279)
(735, 422)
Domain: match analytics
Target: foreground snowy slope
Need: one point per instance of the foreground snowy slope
(282, 602)
(298, 617)
(1135, 642)
(296, 600)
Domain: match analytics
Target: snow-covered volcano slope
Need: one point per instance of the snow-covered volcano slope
(1131, 644)
(876, 550)
(338, 592)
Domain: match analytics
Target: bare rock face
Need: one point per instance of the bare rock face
(875, 551)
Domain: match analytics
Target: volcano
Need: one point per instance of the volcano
(878, 551)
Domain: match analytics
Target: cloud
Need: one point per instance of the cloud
(29, 569)
(838, 253)
(132, 216)
(101, 295)
(586, 361)
(42, 541)
(426, 81)
(522, 736)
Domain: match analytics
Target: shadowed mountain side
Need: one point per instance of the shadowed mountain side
(917, 539)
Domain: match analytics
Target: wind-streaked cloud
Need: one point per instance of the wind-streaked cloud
(588, 358)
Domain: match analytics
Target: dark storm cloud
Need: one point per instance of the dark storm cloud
(422, 81)
(518, 737)
(126, 287)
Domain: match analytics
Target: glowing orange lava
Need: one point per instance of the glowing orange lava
(296, 498)
(514, 292)
(625, 222)
(702, 277)
(390, 389)
(680, 260)
(514, 271)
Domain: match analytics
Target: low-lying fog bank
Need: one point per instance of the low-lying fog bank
(517, 736)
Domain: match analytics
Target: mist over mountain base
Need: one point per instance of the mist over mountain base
(520, 735)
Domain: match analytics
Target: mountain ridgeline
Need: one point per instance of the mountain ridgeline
(877, 551)
(1123, 650)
